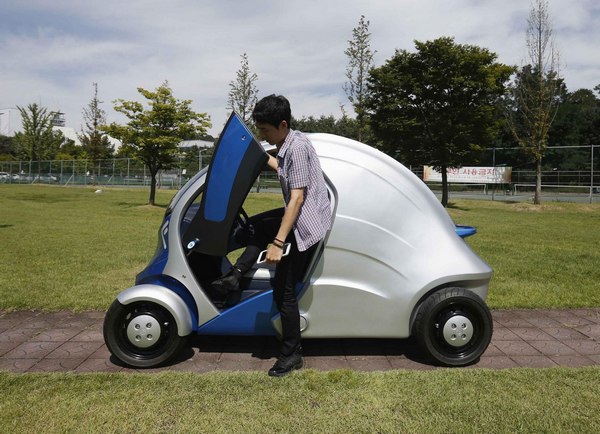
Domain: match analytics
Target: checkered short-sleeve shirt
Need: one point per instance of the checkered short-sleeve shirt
(299, 167)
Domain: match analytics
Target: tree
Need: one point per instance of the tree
(360, 62)
(94, 142)
(153, 133)
(243, 91)
(38, 141)
(70, 151)
(536, 91)
(576, 120)
(6, 148)
(345, 126)
(437, 106)
(575, 124)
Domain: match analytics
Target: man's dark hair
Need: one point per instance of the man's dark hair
(272, 110)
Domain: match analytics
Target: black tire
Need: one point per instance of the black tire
(141, 334)
(453, 326)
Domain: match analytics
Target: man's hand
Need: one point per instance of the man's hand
(274, 254)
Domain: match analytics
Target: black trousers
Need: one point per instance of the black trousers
(287, 274)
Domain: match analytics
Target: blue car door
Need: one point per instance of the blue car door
(237, 161)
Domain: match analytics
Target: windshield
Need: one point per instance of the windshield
(185, 188)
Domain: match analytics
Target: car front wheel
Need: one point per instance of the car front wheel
(141, 334)
(453, 326)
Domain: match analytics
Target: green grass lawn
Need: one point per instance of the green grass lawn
(441, 401)
(70, 248)
(542, 256)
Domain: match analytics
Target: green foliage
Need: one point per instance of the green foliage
(577, 120)
(38, 141)
(360, 62)
(243, 91)
(6, 148)
(153, 133)
(70, 151)
(537, 90)
(438, 105)
(344, 126)
(308, 401)
(94, 143)
(535, 100)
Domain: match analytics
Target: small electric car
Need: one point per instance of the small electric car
(393, 265)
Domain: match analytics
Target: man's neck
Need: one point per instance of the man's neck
(279, 145)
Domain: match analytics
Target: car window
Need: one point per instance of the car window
(190, 213)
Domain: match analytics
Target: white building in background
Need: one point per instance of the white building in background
(202, 144)
(10, 122)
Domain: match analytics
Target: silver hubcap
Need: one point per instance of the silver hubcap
(458, 331)
(143, 331)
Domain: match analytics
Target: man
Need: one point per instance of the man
(303, 223)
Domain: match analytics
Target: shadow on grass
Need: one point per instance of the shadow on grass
(141, 205)
(510, 202)
(42, 198)
(452, 205)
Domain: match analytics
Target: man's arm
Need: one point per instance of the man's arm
(272, 163)
(290, 215)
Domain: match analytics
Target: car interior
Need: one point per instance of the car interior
(207, 268)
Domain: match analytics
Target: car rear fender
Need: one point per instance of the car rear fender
(478, 287)
(163, 297)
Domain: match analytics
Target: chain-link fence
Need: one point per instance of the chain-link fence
(571, 173)
(118, 172)
(114, 172)
(559, 182)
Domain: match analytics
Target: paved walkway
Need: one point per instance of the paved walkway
(66, 341)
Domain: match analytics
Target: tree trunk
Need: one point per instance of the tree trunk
(360, 127)
(537, 198)
(444, 187)
(151, 201)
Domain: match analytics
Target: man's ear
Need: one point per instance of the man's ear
(284, 125)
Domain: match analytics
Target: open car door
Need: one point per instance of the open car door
(236, 163)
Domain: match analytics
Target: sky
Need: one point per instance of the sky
(51, 52)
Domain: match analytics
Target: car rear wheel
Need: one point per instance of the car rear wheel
(453, 326)
(141, 334)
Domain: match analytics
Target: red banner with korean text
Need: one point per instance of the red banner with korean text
(471, 175)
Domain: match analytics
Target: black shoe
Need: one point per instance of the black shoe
(228, 283)
(286, 364)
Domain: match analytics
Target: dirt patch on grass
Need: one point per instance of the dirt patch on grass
(556, 207)
(528, 207)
